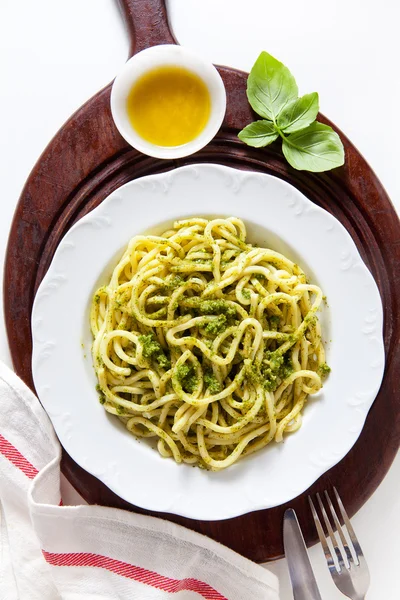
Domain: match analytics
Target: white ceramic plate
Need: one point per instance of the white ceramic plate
(277, 216)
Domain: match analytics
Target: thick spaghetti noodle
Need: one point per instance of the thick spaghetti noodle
(207, 343)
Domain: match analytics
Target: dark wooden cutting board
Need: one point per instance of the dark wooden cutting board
(88, 159)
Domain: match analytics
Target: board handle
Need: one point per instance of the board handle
(147, 23)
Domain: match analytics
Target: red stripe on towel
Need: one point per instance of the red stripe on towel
(87, 559)
(16, 458)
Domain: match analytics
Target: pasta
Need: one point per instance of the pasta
(206, 343)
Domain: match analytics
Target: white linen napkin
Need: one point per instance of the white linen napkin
(50, 551)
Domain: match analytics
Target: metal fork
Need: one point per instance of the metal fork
(350, 573)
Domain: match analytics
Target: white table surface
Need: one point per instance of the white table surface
(55, 55)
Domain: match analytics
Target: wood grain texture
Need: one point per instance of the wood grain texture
(88, 159)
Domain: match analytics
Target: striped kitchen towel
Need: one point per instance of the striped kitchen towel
(50, 551)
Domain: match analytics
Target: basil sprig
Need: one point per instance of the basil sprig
(273, 94)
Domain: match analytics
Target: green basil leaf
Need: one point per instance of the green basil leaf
(258, 134)
(299, 114)
(270, 86)
(316, 148)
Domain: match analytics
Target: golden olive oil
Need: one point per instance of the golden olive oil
(169, 106)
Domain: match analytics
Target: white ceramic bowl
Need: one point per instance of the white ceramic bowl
(158, 56)
(276, 215)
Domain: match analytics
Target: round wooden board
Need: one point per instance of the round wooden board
(88, 159)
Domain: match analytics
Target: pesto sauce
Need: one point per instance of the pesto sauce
(153, 350)
(102, 398)
(174, 282)
(211, 307)
(325, 301)
(186, 376)
(211, 382)
(202, 261)
(272, 371)
(324, 370)
(216, 326)
(279, 369)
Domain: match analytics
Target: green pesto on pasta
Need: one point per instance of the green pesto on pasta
(206, 343)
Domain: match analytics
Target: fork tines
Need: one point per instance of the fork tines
(351, 546)
(350, 560)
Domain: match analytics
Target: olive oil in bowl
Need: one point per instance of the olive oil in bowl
(168, 102)
(169, 106)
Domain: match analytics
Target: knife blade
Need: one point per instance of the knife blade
(300, 570)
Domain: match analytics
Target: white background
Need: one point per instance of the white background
(54, 55)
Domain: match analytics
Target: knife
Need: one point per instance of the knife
(300, 570)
